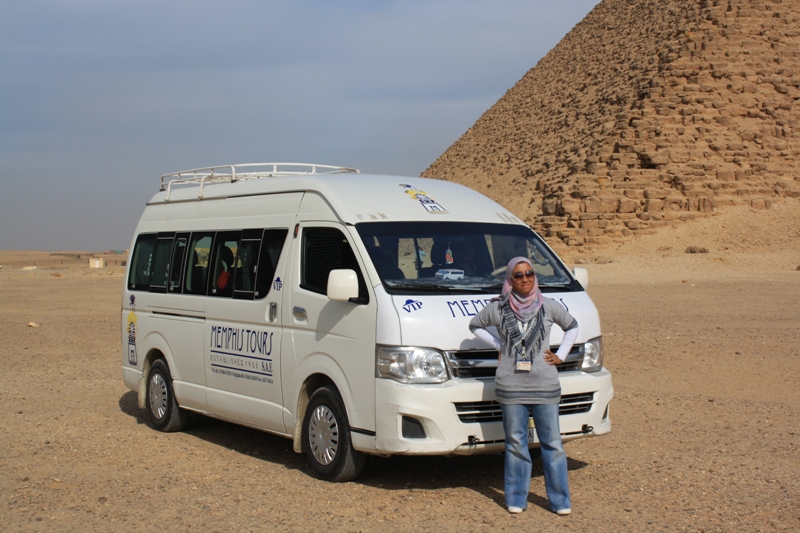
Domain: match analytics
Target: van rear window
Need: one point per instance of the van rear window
(142, 263)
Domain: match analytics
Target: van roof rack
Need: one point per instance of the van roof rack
(246, 171)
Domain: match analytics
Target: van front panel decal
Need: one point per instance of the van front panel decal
(412, 305)
(462, 308)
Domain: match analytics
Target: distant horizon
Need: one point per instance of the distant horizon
(52, 252)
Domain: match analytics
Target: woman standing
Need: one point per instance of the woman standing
(527, 381)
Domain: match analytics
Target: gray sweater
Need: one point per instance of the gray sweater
(540, 385)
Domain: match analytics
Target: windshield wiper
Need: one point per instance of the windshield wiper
(427, 287)
(421, 287)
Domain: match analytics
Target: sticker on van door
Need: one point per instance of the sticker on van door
(241, 353)
(430, 205)
(133, 360)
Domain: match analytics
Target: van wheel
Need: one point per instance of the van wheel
(326, 438)
(165, 415)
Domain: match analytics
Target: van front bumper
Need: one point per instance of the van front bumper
(461, 417)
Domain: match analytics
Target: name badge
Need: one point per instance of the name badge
(524, 366)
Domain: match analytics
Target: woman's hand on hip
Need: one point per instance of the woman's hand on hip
(550, 358)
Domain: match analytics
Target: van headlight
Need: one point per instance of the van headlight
(593, 355)
(408, 364)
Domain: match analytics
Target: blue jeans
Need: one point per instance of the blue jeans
(517, 477)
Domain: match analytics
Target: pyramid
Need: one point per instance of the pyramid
(648, 113)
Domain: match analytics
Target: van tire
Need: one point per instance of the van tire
(326, 438)
(162, 407)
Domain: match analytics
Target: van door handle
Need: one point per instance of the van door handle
(300, 313)
(273, 311)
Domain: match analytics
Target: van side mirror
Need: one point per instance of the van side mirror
(342, 285)
(582, 276)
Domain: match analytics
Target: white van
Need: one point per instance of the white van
(332, 307)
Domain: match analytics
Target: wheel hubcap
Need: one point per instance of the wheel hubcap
(158, 396)
(323, 435)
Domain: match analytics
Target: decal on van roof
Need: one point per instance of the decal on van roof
(430, 205)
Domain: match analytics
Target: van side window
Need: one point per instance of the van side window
(197, 262)
(161, 258)
(244, 279)
(176, 269)
(225, 247)
(326, 249)
(271, 247)
(231, 263)
(142, 263)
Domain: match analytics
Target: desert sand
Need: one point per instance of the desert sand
(704, 353)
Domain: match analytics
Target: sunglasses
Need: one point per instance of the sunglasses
(526, 274)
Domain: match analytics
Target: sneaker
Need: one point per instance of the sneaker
(515, 510)
(563, 512)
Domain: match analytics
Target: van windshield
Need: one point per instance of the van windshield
(462, 257)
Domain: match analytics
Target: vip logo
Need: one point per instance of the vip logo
(412, 305)
(277, 284)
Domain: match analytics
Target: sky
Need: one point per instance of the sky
(99, 98)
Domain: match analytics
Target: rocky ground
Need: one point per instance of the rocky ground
(703, 346)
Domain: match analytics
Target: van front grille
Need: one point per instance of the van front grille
(473, 363)
(470, 412)
(477, 364)
(489, 411)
